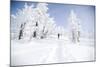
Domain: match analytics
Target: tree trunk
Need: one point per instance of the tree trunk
(34, 34)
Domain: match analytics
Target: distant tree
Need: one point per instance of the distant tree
(74, 24)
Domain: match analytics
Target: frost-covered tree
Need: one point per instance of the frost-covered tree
(33, 22)
(46, 24)
(23, 20)
(74, 24)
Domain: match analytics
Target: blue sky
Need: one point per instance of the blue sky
(60, 12)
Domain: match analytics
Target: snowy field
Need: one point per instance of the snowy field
(44, 51)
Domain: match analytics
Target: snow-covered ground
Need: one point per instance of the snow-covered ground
(44, 51)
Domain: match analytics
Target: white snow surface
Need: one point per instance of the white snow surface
(44, 51)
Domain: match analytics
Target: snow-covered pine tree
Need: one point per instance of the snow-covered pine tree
(74, 24)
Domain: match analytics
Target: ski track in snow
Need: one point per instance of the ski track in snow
(49, 51)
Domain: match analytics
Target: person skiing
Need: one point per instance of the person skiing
(58, 35)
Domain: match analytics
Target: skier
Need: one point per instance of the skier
(58, 35)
